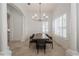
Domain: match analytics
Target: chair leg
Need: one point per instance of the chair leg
(44, 49)
(37, 51)
(52, 45)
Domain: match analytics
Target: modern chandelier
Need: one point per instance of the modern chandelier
(41, 16)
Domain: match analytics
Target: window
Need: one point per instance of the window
(59, 25)
(45, 27)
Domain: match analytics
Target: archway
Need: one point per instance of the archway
(15, 23)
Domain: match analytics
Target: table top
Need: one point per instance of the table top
(40, 37)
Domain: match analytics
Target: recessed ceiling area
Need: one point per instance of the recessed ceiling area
(45, 7)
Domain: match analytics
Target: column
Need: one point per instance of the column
(73, 25)
(4, 41)
(73, 31)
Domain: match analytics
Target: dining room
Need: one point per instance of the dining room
(37, 33)
(40, 29)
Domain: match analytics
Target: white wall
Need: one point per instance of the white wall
(60, 10)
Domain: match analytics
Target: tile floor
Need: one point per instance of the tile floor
(22, 49)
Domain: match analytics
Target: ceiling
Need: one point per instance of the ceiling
(45, 7)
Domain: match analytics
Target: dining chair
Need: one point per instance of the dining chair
(41, 44)
(50, 40)
(31, 40)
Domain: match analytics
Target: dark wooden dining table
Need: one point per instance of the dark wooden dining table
(41, 42)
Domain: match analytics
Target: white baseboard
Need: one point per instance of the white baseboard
(70, 52)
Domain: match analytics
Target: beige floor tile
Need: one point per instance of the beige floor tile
(22, 49)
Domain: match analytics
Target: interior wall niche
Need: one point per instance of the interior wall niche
(15, 22)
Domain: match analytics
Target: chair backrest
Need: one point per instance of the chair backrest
(41, 42)
(32, 36)
(38, 34)
(49, 36)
